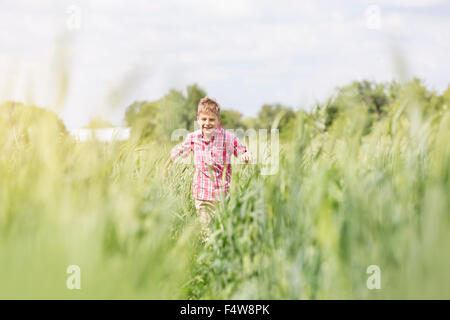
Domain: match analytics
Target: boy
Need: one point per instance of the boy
(212, 147)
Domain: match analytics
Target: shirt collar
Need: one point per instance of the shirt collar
(218, 130)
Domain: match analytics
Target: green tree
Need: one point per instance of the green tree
(428, 100)
(141, 118)
(446, 98)
(373, 95)
(250, 122)
(376, 97)
(171, 115)
(190, 107)
(98, 123)
(158, 119)
(29, 120)
(232, 119)
(269, 113)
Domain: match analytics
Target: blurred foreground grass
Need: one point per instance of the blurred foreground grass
(344, 198)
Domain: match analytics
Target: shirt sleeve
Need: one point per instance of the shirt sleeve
(238, 147)
(184, 148)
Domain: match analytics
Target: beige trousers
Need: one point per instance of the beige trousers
(205, 212)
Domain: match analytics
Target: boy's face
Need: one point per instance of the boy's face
(208, 121)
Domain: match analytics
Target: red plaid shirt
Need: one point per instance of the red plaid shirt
(210, 160)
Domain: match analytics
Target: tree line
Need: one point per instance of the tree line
(156, 120)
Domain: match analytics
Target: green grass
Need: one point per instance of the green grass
(342, 200)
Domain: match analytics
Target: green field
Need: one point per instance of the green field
(359, 183)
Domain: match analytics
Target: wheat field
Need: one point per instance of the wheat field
(343, 199)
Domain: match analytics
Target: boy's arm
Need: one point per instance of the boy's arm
(186, 147)
(240, 150)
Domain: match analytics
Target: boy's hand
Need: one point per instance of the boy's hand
(245, 157)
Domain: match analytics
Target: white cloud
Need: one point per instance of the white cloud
(244, 53)
(408, 3)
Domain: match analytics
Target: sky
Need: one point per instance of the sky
(105, 54)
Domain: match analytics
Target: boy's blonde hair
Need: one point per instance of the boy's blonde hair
(207, 104)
